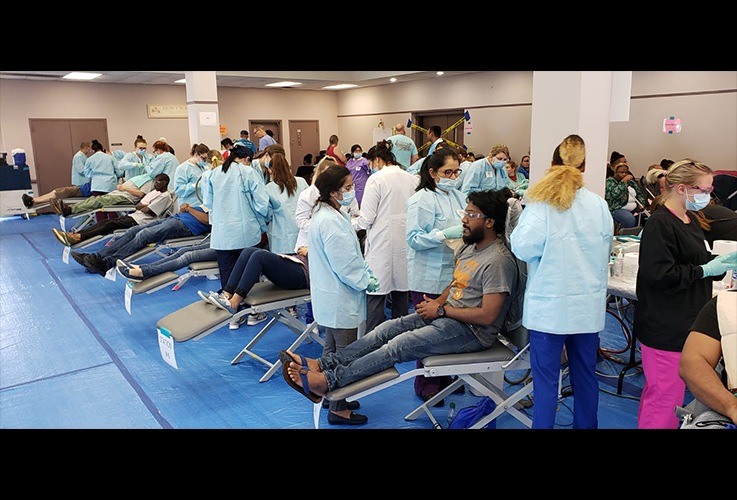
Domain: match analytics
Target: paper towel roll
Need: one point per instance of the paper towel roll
(723, 247)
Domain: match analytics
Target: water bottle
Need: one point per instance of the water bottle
(451, 413)
(619, 270)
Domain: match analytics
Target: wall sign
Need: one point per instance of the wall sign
(166, 110)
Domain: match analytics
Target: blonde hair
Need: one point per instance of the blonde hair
(686, 171)
(216, 158)
(499, 148)
(564, 178)
(322, 165)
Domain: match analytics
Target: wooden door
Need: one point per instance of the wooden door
(304, 137)
(55, 141)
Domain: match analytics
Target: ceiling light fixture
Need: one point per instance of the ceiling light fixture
(392, 79)
(440, 73)
(183, 80)
(75, 75)
(283, 84)
(340, 86)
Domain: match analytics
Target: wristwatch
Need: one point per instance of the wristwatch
(441, 311)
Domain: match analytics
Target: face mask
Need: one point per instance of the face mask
(347, 198)
(447, 184)
(374, 170)
(357, 156)
(141, 152)
(498, 163)
(202, 163)
(700, 200)
(267, 164)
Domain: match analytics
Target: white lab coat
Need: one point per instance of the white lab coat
(383, 215)
(303, 213)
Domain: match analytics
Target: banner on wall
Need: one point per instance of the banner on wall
(166, 110)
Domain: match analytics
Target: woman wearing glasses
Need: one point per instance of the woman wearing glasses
(674, 281)
(187, 173)
(134, 163)
(432, 219)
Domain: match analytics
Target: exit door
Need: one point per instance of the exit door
(55, 141)
(443, 120)
(304, 137)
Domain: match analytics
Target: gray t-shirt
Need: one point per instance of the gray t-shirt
(481, 272)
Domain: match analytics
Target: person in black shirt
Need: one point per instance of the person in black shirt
(674, 281)
(307, 169)
(722, 223)
(701, 354)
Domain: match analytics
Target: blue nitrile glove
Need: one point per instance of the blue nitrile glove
(453, 232)
(373, 284)
(720, 265)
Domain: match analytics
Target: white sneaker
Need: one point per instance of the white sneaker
(236, 323)
(255, 319)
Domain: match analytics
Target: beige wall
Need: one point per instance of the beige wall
(124, 107)
(499, 105)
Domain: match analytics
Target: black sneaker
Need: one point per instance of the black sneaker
(79, 257)
(351, 405)
(27, 200)
(96, 265)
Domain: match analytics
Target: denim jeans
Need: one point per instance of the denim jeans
(253, 262)
(625, 218)
(139, 236)
(182, 257)
(376, 308)
(408, 338)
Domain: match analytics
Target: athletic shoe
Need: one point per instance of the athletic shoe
(222, 303)
(96, 265)
(61, 236)
(255, 319)
(27, 200)
(203, 295)
(237, 322)
(79, 257)
(125, 273)
(122, 263)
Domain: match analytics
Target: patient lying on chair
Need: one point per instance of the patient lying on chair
(179, 259)
(190, 221)
(466, 317)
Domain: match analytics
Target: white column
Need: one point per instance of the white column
(572, 102)
(202, 108)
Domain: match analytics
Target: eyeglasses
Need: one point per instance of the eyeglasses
(471, 215)
(449, 173)
(705, 190)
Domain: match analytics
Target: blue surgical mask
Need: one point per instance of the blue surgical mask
(700, 200)
(374, 170)
(447, 184)
(348, 198)
(498, 163)
(357, 156)
(141, 152)
(267, 164)
(202, 163)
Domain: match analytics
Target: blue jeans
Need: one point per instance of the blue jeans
(545, 352)
(625, 218)
(139, 236)
(253, 262)
(182, 257)
(408, 338)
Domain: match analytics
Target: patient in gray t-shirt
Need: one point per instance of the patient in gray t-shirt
(478, 272)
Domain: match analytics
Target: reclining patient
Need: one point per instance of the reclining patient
(466, 317)
(153, 205)
(179, 259)
(128, 193)
(190, 221)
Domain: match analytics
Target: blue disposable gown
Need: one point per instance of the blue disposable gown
(78, 161)
(236, 199)
(100, 169)
(282, 229)
(483, 176)
(339, 275)
(131, 161)
(165, 163)
(430, 261)
(185, 180)
(567, 255)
